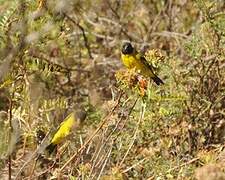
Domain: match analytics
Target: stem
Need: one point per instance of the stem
(74, 156)
(10, 132)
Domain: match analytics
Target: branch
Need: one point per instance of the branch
(83, 34)
(74, 156)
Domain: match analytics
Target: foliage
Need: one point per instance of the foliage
(59, 55)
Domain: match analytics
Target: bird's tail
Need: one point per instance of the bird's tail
(51, 148)
(157, 80)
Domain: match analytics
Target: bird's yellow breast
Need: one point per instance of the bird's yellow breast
(128, 61)
(134, 61)
(64, 129)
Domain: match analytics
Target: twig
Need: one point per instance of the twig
(33, 168)
(115, 12)
(106, 159)
(131, 109)
(134, 136)
(47, 170)
(42, 56)
(170, 34)
(83, 34)
(93, 135)
(184, 164)
(98, 164)
(11, 131)
(38, 151)
(96, 155)
(134, 165)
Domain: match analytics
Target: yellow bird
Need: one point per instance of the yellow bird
(72, 121)
(132, 59)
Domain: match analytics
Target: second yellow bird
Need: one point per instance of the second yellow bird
(73, 120)
(132, 59)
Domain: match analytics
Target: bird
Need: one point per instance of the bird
(133, 59)
(72, 121)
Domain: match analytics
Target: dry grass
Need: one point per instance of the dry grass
(58, 55)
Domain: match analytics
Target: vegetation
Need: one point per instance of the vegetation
(60, 55)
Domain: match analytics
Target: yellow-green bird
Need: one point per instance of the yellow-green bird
(72, 121)
(132, 59)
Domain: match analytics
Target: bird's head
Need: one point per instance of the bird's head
(127, 48)
(80, 115)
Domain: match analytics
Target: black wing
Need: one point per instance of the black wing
(145, 62)
(156, 79)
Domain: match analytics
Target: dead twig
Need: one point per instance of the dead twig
(134, 165)
(11, 131)
(74, 156)
(83, 34)
(45, 58)
(105, 161)
(184, 164)
(106, 139)
(134, 136)
(36, 153)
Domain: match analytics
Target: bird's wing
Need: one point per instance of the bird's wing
(145, 62)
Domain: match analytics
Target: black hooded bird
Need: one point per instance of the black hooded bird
(132, 59)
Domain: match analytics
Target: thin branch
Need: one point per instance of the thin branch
(74, 156)
(106, 160)
(170, 34)
(134, 165)
(36, 153)
(83, 34)
(42, 56)
(134, 136)
(184, 164)
(11, 131)
(96, 155)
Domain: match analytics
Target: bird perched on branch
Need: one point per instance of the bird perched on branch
(72, 121)
(132, 59)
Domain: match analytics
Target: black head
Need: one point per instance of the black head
(80, 115)
(127, 48)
